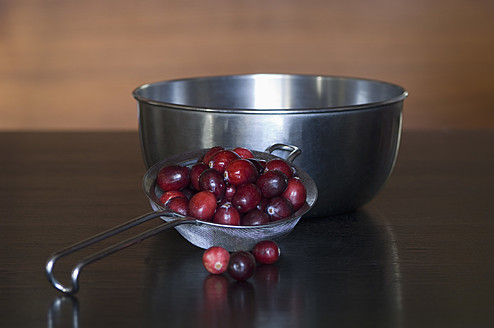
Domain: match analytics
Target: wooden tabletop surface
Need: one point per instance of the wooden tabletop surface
(73, 64)
(418, 255)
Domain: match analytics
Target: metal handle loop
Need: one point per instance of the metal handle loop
(111, 249)
(294, 150)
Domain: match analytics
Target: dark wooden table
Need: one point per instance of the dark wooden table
(419, 255)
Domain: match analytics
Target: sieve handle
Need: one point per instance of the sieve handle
(294, 150)
(111, 249)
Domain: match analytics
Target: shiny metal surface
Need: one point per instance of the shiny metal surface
(349, 129)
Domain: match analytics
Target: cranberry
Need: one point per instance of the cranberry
(221, 159)
(215, 259)
(240, 171)
(179, 205)
(279, 208)
(254, 217)
(259, 164)
(195, 172)
(263, 204)
(247, 197)
(280, 165)
(202, 205)
(188, 192)
(295, 193)
(243, 152)
(210, 153)
(226, 214)
(242, 265)
(272, 183)
(212, 180)
(266, 252)
(173, 177)
(229, 192)
(167, 195)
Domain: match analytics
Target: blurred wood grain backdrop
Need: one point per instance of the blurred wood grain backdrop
(72, 65)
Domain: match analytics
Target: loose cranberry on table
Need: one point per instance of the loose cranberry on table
(242, 265)
(212, 180)
(215, 259)
(202, 205)
(226, 213)
(295, 193)
(173, 177)
(272, 183)
(279, 165)
(266, 252)
(221, 159)
(240, 171)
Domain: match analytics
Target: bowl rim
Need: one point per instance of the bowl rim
(402, 94)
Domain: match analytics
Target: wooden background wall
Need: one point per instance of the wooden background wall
(73, 64)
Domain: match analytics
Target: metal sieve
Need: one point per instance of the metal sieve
(199, 233)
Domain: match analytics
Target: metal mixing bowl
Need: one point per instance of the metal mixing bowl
(349, 128)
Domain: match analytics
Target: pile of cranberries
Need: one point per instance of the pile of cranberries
(230, 186)
(240, 265)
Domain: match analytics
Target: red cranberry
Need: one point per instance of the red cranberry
(272, 183)
(295, 193)
(242, 265)
(210, 153)
(212, 180)
(167, 195)
(254, 218)
(221, 159)
(240, 171)
(188, 192)
(280, 165)
(173, 177)
(226, 214)
(266, 252)
(202, 205)
(179, 205)
(215, 259)
(243, 152)
(258, 164)
(229, 192)
(195, 172)
(263, 204)
(247, 197)
(279, 208)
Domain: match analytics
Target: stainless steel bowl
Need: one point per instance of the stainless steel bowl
(349, 128)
